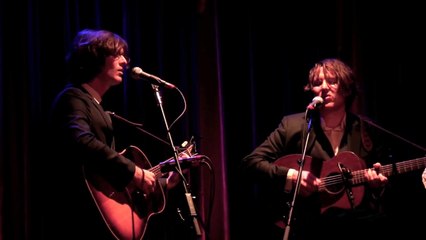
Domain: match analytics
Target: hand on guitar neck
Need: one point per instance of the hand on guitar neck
(146, 180)
(174, 177)
(374, 178)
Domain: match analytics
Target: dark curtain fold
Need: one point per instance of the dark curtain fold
(241, 66)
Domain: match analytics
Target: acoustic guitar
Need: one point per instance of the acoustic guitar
(343, 177)
(126, 213)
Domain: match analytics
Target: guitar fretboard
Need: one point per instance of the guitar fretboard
(392, 169)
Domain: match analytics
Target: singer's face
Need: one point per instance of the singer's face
(113, 70)
(326, 86)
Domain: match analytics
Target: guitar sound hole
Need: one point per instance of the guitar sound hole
(334, 183)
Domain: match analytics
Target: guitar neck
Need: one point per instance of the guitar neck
(163, 167)
(392, 169)
(170, 165)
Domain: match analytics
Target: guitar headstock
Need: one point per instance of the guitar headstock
(187, 156)
(187, 149)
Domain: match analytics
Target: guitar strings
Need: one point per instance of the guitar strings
(387, 170)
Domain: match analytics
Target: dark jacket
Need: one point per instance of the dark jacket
(360, 148)
(82, 145)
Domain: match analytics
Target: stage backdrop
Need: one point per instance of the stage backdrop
(240, 66)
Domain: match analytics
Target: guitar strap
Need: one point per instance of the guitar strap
(96, 100)
(109, 120)
(365, 137)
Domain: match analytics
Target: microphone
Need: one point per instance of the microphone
(138, 73)
(316, 102)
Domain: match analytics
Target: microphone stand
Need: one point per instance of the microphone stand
(299, 179)
(179, 169)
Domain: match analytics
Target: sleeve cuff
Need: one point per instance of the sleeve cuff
(289, 181)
